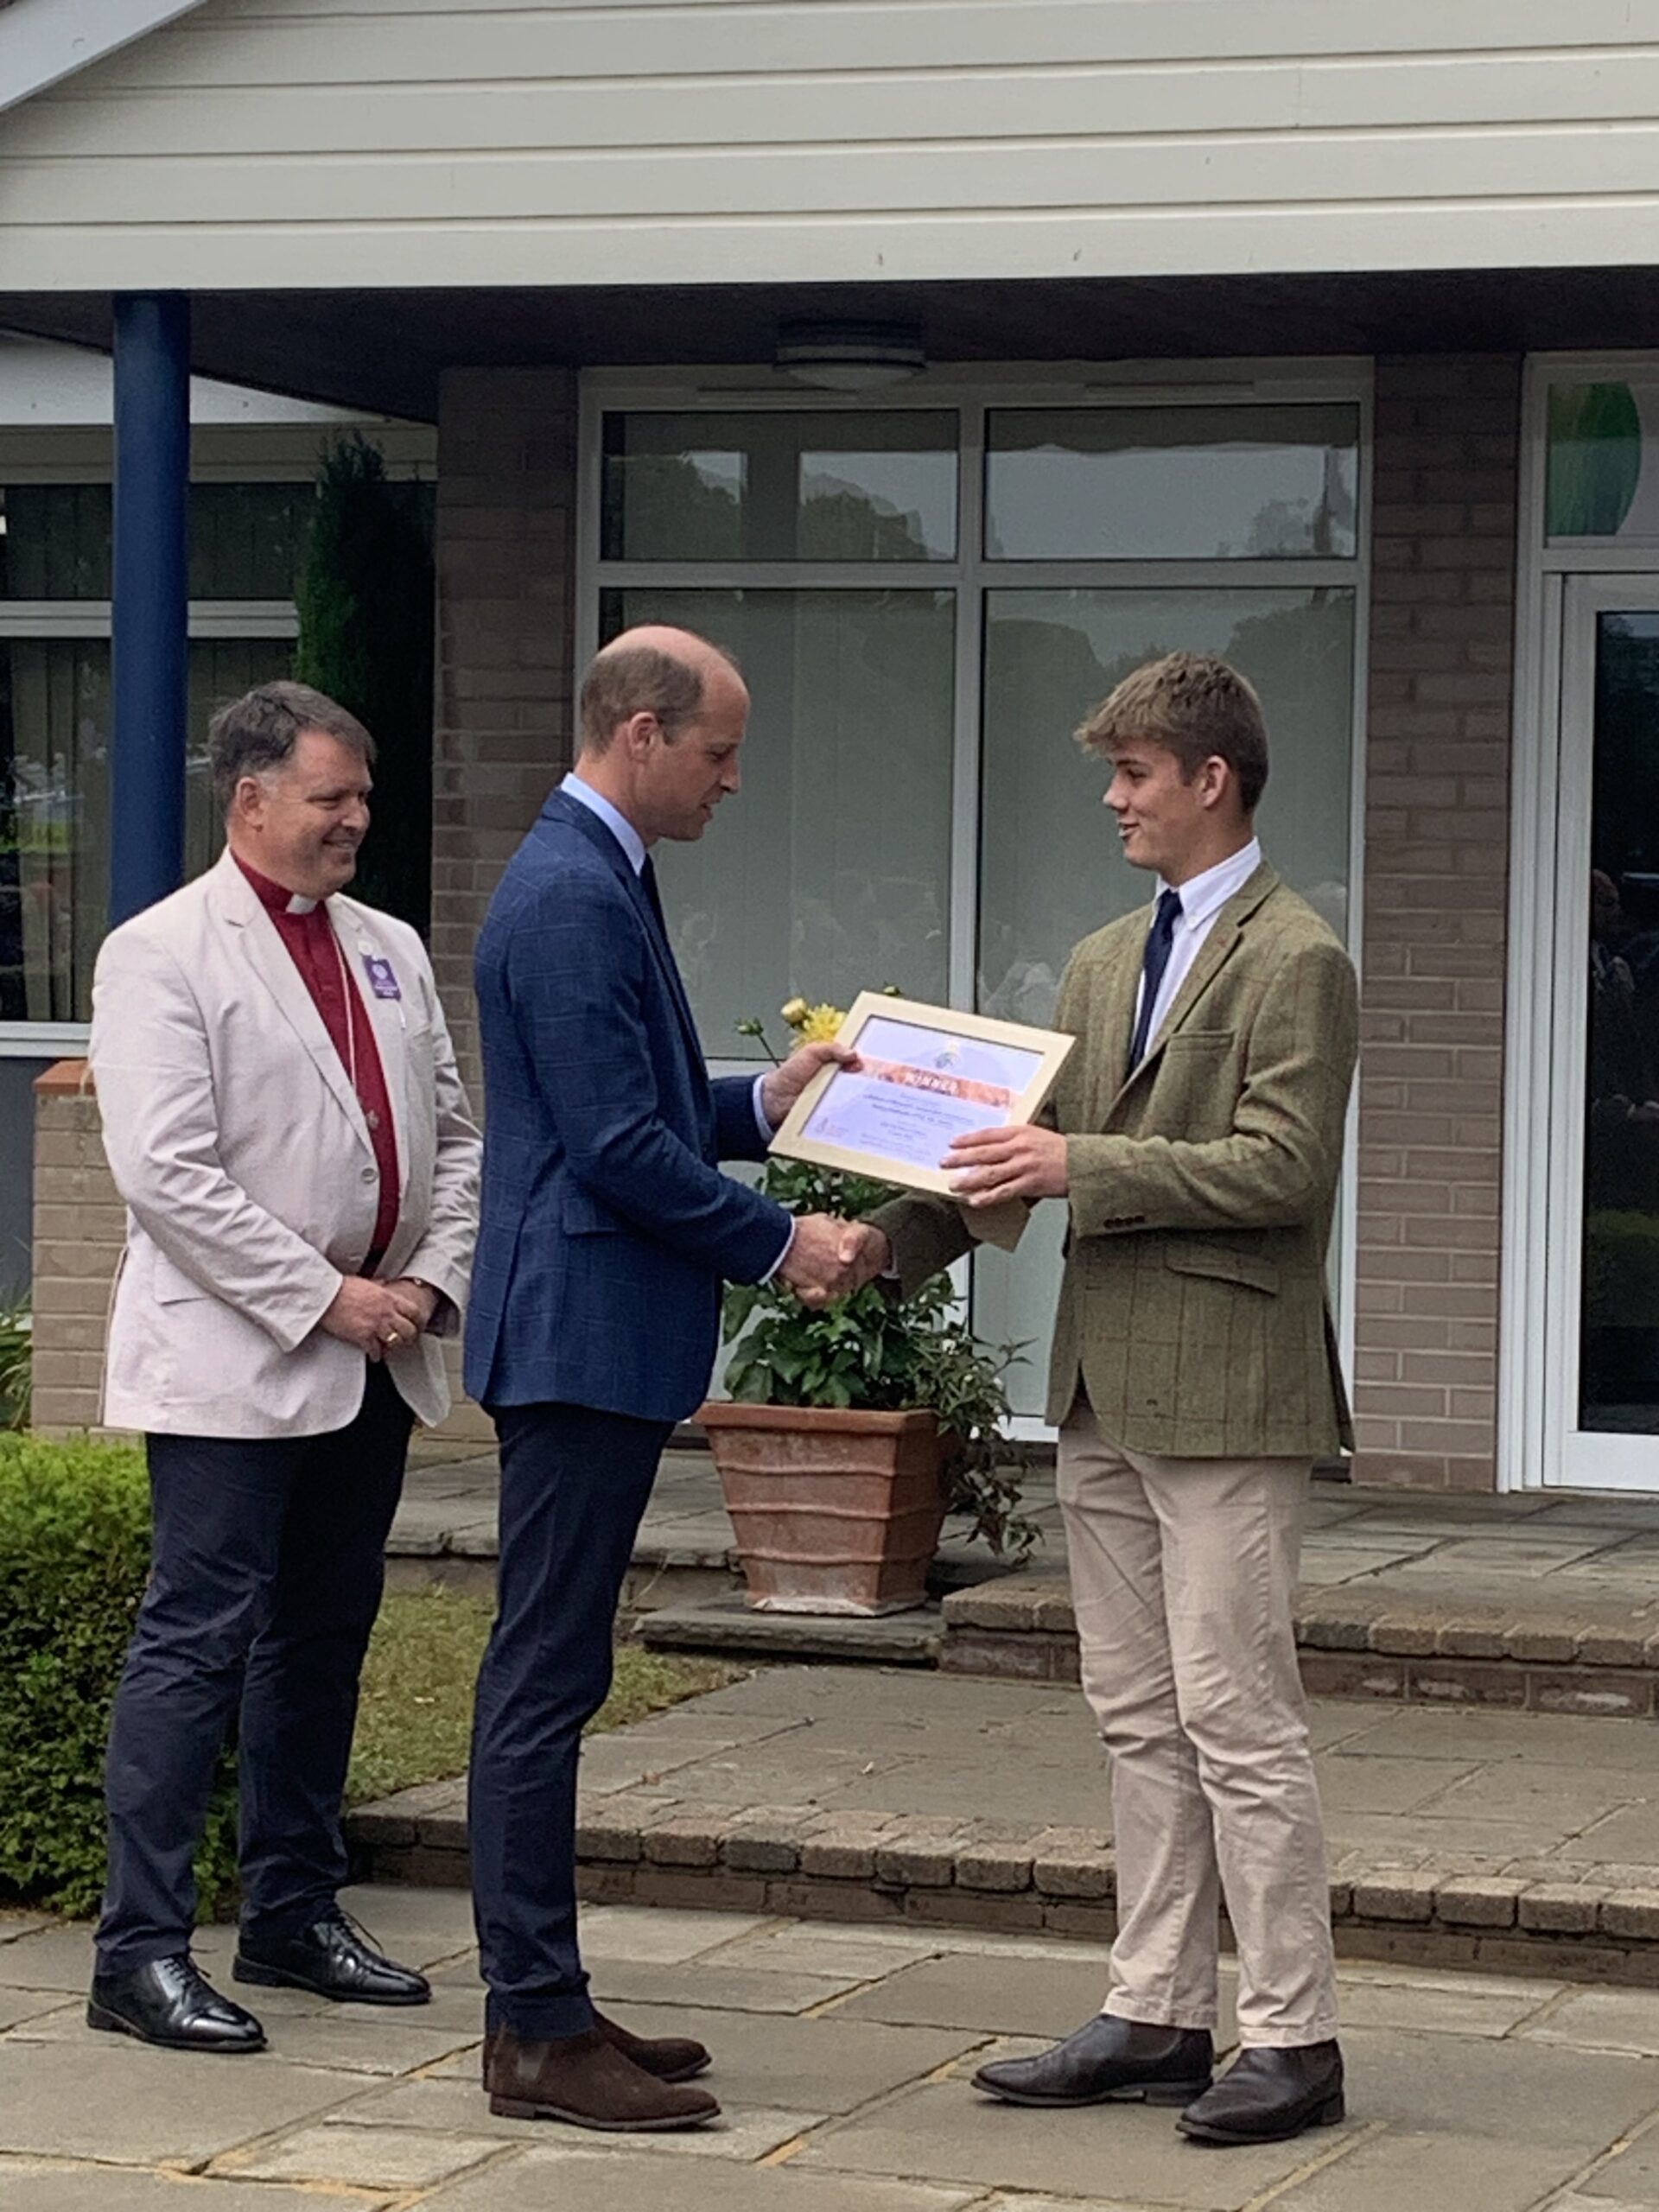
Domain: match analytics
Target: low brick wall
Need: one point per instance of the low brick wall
(1602, 1658)
(932, 1871)
(80, 1228)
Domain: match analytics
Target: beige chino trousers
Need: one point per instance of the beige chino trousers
(1183, 1578)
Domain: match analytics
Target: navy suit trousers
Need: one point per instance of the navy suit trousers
(573, 1488)
(267, 1566)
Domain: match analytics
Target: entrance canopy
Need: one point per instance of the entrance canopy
(383, 351)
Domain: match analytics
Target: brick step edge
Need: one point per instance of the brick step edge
(1367, 1643)
(932, 1871)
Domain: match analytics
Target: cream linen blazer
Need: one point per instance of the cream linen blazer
(239, 1146)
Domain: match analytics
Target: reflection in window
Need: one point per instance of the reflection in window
(780, 488)
(829, 872)
(54, 805)
(1171, 483)
(246, 540)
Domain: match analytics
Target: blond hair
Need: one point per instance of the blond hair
(1195, 707)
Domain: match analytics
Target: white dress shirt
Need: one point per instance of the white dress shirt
(633, 845)
(1202, 898)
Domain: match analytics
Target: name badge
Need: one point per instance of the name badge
(382, 981)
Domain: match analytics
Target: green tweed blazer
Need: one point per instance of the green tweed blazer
(1193, 1305)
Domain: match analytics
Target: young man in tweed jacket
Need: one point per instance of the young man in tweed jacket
(1197, 1135)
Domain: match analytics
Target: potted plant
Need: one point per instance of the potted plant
(852, 1431)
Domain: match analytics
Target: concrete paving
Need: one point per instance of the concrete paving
(1567, 1549)
(841, 2060)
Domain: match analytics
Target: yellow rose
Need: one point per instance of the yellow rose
(819, 1023)
(794, 1012)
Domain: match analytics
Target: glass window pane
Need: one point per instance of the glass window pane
(1619, 1342)
(829, 872)
(1171, 483)
(1052, 870)
(1600, 479)
(54, 801)
(780, 488)
(246, 540)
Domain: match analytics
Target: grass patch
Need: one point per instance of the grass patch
(416, 1715)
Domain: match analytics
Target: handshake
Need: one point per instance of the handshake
(829, 1259)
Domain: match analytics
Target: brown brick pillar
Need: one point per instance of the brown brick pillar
(503, 723)
(80, 1226)
(1436, 890)
(506, 580)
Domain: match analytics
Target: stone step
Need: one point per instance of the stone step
(727, 1624)
(1506, 1643)
(1598, 1924)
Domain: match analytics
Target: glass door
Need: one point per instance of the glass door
(1601, 1388)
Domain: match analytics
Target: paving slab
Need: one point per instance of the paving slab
(1600, 2019)
(1630, 2175)
(29, 2186)
(634, 2181)
(455, 2104)
(1010, 1997)
(1510, 2092)
(943, 2131)
(360, 2157)
(1457, 2173)
(828, 2064)
(716, 1986)
(20, 2005)
(106, 2097)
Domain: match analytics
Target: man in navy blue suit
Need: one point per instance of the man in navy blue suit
(608, 1229)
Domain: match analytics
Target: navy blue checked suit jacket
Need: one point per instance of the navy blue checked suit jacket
(607, 1225)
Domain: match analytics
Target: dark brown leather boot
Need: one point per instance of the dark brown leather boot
(667, 2058)
(586, 2080)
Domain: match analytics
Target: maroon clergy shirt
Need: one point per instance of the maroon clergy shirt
(305, 927)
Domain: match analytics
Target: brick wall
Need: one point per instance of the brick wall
(79, 1227)
(503, 720)
(506, 581)
(1436, 887)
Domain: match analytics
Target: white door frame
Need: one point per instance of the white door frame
(1531, 1442)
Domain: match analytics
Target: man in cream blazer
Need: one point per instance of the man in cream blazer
(284, 1118)
(1196, 1133)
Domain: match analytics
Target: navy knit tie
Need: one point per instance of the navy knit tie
(1159, 938)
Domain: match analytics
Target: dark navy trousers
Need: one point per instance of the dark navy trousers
(268, 1562)
(573, 1488)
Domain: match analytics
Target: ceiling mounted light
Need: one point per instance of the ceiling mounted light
(849, 356)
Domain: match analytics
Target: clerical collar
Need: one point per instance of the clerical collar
(272, 896)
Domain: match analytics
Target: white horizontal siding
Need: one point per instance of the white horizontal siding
(353, 141)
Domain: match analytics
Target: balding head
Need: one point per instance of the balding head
(653, 670)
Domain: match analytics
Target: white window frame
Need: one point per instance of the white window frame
(971, 396)
(1531, 1434)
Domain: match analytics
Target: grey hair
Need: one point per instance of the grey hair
(259, 731)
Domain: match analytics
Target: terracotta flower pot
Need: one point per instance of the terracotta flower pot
(835, 1512)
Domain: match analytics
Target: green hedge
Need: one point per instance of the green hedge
(75, 1550)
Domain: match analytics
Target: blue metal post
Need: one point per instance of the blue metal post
(150, 611)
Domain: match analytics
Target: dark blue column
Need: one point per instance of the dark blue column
(151, 614)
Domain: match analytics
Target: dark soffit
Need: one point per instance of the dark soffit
(385, 350)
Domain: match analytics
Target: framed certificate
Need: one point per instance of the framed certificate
(926, 1074)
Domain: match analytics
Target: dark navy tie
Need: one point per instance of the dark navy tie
(654, 898)
(1159, 938)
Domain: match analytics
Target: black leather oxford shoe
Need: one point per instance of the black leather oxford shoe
(170, 2003)
(1108, 2062)
(1268, 2095)
(332, 1958)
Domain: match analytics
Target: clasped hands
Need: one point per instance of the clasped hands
(380, 1317)
(827, 1258)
